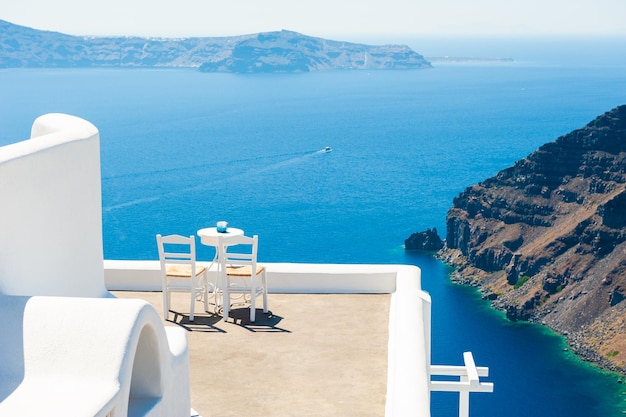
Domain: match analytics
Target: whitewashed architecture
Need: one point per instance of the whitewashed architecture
(68, 348)
(71, 349)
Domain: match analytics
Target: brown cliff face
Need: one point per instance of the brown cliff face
(546, 238)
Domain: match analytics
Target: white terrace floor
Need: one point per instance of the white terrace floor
(312, 355)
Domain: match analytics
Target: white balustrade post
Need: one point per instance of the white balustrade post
(463, 398)
(468, 381)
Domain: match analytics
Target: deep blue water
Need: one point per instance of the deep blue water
(182, 150)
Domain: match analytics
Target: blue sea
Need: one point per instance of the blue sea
(182, 150)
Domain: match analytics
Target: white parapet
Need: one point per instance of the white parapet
(122, 275)
(408, 390)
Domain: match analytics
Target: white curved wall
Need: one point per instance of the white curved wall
(118, 359)
(68, 348)
(50, 212)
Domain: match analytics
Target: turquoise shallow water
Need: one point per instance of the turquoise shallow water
(182, 150)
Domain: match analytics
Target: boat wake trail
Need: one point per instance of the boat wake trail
(251, 168)
(129, 203)
(254, 170)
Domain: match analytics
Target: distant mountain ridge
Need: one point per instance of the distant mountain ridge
(284, 51)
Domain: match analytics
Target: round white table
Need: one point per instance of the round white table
(209, 236)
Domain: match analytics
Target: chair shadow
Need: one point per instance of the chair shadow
(264, 322)
(203, 322)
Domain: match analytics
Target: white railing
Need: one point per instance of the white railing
(468, 381)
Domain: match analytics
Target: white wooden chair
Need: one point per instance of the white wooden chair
(179, 272)
(240, 273)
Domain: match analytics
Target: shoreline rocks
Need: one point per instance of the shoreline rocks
(427, 240)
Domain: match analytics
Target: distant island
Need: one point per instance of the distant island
(466, 60)
(283, 52)
(545, 240)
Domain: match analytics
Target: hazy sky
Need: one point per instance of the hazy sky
(324, 18)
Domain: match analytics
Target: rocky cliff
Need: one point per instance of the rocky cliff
(546, 238)
(282, 51)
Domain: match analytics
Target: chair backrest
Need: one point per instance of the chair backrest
(239, 250)
(176, 249)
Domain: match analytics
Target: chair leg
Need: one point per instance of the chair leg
(252, 303)
(225, 301)
(206, 295)
(166, 304)
(193, 304)
(217, 293)
(216, 300)
(264, 278)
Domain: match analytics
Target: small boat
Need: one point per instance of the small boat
(328, 149)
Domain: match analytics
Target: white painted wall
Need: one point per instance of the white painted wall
(50, 211)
